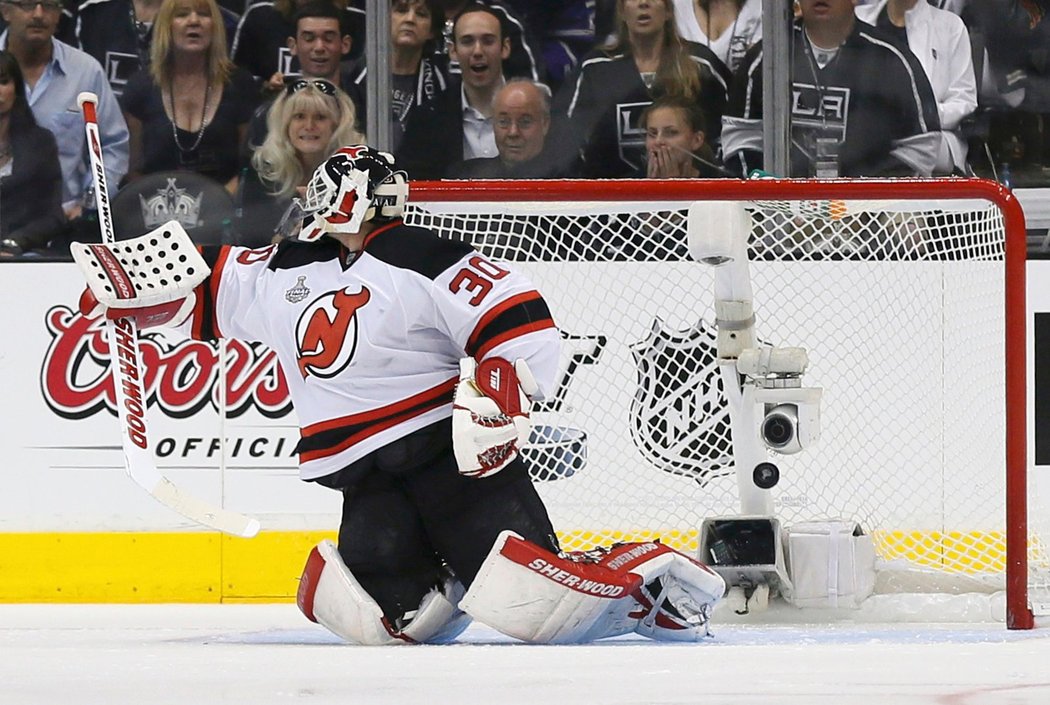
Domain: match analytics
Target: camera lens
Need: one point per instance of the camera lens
(778, 430)
(766, 476)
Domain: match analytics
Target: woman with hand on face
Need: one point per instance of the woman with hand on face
(600, 107)
(675, 142)
(675, 148)
(30, 176)
(190, 110)
(306, 124)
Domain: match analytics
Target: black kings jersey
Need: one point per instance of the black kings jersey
(871, 101)
(606, 99)
(370, 345)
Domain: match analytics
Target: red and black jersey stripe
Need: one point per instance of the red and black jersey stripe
(204, 326)
(509, 319)
(327, 438)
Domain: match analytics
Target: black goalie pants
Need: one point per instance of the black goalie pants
(407, 512)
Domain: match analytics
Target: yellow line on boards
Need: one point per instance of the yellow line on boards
(152, 567)
(205, 567)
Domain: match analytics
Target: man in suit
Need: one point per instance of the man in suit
(55, 74)
(521, 122)
(458, 125)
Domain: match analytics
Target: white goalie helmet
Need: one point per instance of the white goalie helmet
(356, 185)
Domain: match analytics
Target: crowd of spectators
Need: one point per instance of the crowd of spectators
(252, 94)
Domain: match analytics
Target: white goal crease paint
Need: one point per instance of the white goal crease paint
(269, 655)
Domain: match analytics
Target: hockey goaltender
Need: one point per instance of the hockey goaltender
(411, 362)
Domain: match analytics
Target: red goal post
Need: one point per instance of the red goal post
(631, 231)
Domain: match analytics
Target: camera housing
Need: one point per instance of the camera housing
(788, 413)
(790, 426)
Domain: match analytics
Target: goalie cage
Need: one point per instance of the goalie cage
(908, 294)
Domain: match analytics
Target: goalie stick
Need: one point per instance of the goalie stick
(127, 378)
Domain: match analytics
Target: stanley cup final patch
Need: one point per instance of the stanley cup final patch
(297, 293)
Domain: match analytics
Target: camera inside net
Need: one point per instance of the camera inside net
(790, 426)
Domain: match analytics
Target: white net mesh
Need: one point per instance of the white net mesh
(900, 306)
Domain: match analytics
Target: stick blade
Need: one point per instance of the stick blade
(142, 470)
(224, 520)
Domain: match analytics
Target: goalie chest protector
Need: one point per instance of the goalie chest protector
(370, 343)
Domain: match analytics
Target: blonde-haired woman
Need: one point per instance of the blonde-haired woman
(614, 84)
(190, 110)
(306, 124)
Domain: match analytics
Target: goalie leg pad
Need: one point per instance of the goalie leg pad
(678, 592)
(534, 595)
(330, 595)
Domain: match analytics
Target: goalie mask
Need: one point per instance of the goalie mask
(355, 185)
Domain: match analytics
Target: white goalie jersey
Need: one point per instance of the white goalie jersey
(370, 344)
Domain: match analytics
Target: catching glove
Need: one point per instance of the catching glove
(490, 414)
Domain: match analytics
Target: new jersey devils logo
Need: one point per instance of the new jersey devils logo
(326, 332)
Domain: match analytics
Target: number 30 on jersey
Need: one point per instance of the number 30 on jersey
(477, 277)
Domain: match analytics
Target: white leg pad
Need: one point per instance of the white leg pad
(678, 595)
(534, 595)
(330, 595)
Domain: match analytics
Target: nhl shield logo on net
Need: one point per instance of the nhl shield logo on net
(679, 419)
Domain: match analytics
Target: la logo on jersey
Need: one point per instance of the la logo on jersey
(326, 332)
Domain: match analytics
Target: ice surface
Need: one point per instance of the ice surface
(270, 655)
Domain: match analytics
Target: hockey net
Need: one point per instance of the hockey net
(908, 296)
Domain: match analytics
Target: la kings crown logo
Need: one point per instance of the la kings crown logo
(679, 416)
(171, 202)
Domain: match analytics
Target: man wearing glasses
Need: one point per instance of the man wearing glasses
(521, 122)
(55, 73)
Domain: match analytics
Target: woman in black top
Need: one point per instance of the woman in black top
(190, 110)
(418, 74)
(118, 34)
(600, 107)
(30, 176)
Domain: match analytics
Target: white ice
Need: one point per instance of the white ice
(270, 655)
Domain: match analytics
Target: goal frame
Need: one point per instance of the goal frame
(1018, 612)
